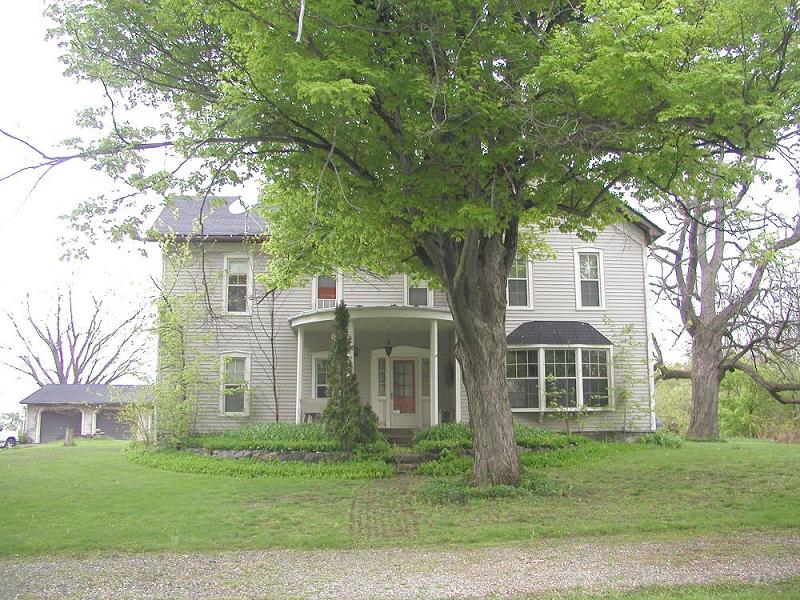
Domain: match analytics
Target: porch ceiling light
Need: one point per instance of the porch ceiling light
(388, 346)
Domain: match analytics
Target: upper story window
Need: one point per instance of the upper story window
(325, 292)
(235, 381)
(589, 279)
(237, 284)
(518, 284)
(418, 293)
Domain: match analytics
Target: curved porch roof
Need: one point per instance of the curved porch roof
(380, 316)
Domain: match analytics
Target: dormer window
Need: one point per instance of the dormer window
(237, 284)
(325, 294)
(418, 293)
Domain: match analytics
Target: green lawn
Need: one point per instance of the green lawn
(91, 497)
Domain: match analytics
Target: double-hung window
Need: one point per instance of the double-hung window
(325, 292)
(589, 279)
(542, 379)
(237, 284)
(235, 375)
(517, 285)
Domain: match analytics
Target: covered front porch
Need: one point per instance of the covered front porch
(403, 358)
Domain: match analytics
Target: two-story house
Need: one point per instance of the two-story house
(577, 330)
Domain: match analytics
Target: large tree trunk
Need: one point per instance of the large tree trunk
(477, 296)
(706, 376)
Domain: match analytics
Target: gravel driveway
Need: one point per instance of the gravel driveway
(516, 570)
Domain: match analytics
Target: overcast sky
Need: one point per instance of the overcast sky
(39, 104)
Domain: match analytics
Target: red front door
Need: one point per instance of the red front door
(403, 392)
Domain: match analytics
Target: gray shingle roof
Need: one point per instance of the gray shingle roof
(181, 218)
(535, 333)
(79, 393)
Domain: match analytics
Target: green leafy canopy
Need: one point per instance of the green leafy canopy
(384, 121)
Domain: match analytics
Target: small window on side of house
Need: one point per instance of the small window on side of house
(382, 377)
(320, 377)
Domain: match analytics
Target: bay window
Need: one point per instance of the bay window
(522, 371)
(542, 379)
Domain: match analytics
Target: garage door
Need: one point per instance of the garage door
(108, 424)
(54, 425)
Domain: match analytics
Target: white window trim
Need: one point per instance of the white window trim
(314, 288)
(315, 356)
(529, 282)
(225, 259)
(407, 283)
(543, 408)
(246, 358)
(601, 272)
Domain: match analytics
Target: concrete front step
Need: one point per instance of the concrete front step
(400, 436)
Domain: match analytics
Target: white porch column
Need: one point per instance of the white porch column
(434, 372)
(299, 393)
(458, 385)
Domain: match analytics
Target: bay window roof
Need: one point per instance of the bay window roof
(556, 333)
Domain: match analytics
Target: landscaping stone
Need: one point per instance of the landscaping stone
(231, 453)
(266, 455)
(201, 451)
(335, 457)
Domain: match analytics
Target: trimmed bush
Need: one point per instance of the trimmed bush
(661, 438)
(537, 438)
(278, 437)
(455, 436)
(184, 462)
(449, 463)
(588, 450)
(348, 421)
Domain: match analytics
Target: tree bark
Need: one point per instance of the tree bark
(706, 377)
(476, 291)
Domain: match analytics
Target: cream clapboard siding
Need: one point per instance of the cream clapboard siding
(217, 333)
(553, 299)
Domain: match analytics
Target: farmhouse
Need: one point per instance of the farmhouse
(577, 328)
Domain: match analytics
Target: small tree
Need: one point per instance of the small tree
(349, 421)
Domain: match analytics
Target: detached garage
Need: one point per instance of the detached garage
(89, 409)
